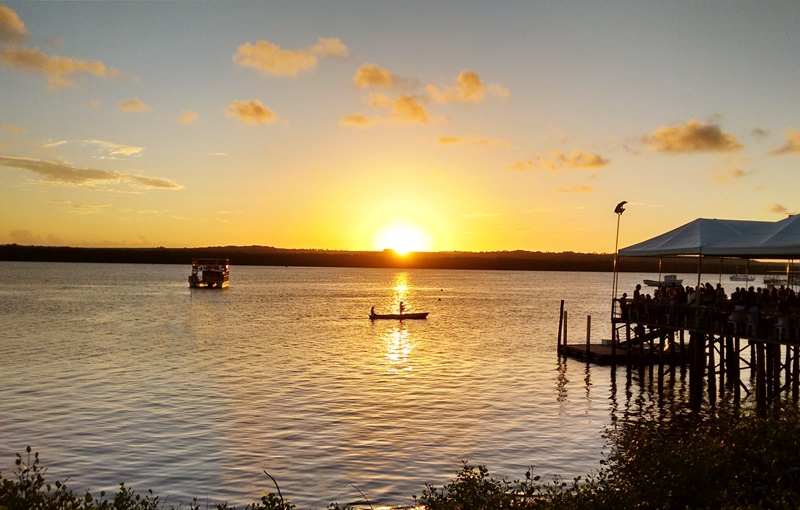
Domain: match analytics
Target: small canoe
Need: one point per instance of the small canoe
(398, 316)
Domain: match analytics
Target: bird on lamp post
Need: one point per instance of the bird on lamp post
(618, 211)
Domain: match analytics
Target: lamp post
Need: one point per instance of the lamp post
(618, 211)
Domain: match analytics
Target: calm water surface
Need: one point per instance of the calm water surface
(120, 373)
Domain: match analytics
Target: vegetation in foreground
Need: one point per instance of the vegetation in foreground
(729, 460)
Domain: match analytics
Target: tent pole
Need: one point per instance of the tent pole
(659, 267)
(720, 270)
(699, 272)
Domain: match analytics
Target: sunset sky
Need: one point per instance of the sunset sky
(362, 125)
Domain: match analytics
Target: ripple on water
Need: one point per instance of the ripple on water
(195, 394)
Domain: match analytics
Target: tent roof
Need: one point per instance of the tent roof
(725, 238)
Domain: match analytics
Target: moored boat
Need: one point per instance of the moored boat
(210, 273)
(669, 279)
(398, 316)
(742, 278)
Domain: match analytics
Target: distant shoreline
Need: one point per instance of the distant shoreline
(518, 260)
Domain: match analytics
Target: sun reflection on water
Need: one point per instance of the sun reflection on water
(398, 344)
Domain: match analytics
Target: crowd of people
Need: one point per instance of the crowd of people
(677, 305)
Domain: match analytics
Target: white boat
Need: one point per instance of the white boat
(742, 278)
(210, 273)
(669, 279)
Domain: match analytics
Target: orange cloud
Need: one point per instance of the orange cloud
(270, 59)
(189, 117)
(251, 112)
(12, 29)
(778, 209)
(57, 70)
(407, 109)
(792, 144)
(369, 75)
(356, 120)
(692, 137)
(133, 104)
(468, 89)
(556, 160)
(403, 110)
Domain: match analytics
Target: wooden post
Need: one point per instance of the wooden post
(737, 370)
(795, 372)
(723, 369)
(712, 379)
(565, 330)
(588, 335)
(560, 324)
(761, 382)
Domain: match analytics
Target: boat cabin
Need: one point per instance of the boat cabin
(210, 273)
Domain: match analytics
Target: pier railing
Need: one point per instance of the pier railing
(764, 325)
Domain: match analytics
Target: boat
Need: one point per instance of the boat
(210, 273)
(398, 316)
(669, 279)
(775, 280)
(742, 278)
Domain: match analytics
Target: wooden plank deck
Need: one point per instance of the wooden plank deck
(601, 354)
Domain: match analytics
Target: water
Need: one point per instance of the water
(121, 373)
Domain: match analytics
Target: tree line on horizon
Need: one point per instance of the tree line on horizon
(518, 260)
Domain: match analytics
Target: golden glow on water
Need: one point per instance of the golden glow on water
(399, 345)
(401, 290)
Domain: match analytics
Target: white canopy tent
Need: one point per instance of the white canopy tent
(725, 238)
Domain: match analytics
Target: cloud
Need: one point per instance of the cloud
(407, 109)
(270, 59)
(12, 29)
(403, 110)
(189, 117)
(133, 104)
(115, 149)
(86, 209)
(778, 209)
(555, 160)
(575, 188)
(792, 145)
(692, 137)
(58, 71)
(357, 120)
(373, 76)
(730, 175)
(369, 75)
(471, 140)
(468, 89)
(110, 150)
(250, 112)
(61, 173)
(12, 129)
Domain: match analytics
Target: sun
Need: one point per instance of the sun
(402, 237)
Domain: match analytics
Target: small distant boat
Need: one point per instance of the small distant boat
(774, 280)
(742, 278)
(669, 279)
(210, 273)
(398, 316)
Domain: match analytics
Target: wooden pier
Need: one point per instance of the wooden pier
(753, 356)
